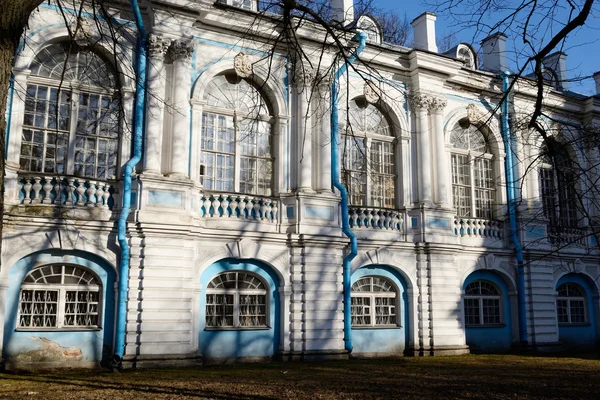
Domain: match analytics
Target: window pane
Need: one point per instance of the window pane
(577, 309)
(38, 309)
(81, 308)
(252, 311)
(361, 311)
(491, 311)
(472, 312)
(219, 310)
(562, 312)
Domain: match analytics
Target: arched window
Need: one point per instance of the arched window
(482, 304)
(369, 169)
(71, 119)
(374, 303)
(236, 299)
(369, 25)
(467, 55)
(557, 186)
(60, 296)
(236, 138)
(570, 304)
(473, 187)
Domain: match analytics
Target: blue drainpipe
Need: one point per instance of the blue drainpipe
(511, 199)
(335, 180)
(138, 127)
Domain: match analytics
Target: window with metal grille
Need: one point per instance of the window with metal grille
(557, 186)
(238, 300)
(71, 118)
(60, 296)
(570, 304)
(473, 185)
(236, 138)
(367, 148)
(374, 303)
(482, 304)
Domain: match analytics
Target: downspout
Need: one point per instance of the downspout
(138, 126)
(511, 199)
(335, 180)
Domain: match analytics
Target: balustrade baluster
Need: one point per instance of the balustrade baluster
(274, 211)
(215, 205)
(207, 204)
(37, 187)
(388, 220)
(256, 208)
(58, 190)
(225, 205)
(242, 207)
(70, 190)
(47, 187)
(263, 209)
(107, 188)
(249, 207)
(80, 190)
(27, 189)
(233, 205)
(91, 194)
(99, 194)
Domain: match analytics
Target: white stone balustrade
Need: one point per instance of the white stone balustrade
(560, 236)
(239, 206)
(65, 191)
(375, 218)
(478, 228)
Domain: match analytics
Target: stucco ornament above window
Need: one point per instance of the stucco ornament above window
(475, 116)
(371, 92)
(242, 65)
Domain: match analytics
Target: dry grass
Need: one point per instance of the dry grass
(461, 377)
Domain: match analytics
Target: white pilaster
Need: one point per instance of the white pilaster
(304, 131)
(155, 103)
(437, 106)
(421, 104)
(181, 52)
(324, 132)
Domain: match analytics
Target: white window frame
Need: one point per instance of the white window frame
(61, 302)
(73, 89)
(372, 296)
(237, 116)
(569, 299)
(480, 298)
(237, 293)
(365, 193)
(476, 164)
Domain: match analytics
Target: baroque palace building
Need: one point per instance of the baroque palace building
(235, 236)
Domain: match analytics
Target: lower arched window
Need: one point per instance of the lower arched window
(482, 304)
(570, 304)
(236, 299)
(59, 296)
(374, 302)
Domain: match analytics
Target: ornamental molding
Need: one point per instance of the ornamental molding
(371, 92)
(437, 104)
(304, 76)
(242, 65)
(181, 50)
(158, 45)
(420, 101)
(475, 116)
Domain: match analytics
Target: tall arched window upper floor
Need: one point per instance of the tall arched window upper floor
(367, 146)
(236, 137)
(72, 114)
(473, 173)
(558, 177)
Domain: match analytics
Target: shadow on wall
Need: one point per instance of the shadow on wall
(235, 342)
(59, 346)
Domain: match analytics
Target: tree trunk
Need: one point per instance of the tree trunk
(13, 20)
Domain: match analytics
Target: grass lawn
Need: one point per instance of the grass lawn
(458, 377)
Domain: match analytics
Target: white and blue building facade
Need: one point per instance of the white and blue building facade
(235, 233)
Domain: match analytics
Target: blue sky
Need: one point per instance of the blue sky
(582, 49)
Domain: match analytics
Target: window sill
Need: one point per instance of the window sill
(578, 324)
(231, 328)
(486, 326)
(54, 329)
(360, 327)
